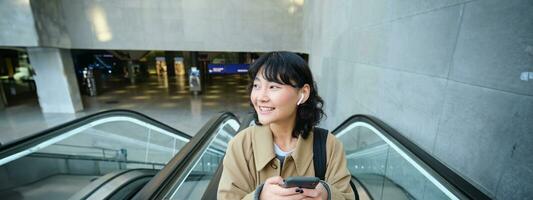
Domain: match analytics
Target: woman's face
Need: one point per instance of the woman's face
(272, 101)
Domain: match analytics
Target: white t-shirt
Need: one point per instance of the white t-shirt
(280, 154)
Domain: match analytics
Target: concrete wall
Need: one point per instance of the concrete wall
(444, 73)
(197, 25)
(16, 24)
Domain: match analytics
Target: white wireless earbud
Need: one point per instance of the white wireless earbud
(300, 101)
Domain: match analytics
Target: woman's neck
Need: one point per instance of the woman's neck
(282, 134)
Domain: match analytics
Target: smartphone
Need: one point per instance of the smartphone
(308, 182)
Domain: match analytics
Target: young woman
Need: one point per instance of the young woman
(287, 107)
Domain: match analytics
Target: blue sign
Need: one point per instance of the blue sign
(227, 68)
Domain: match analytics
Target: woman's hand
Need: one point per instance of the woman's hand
(272, 190)
(319, 193)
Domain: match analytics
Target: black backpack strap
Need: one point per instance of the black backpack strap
(319, 152)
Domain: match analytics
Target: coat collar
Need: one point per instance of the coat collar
(263, 149)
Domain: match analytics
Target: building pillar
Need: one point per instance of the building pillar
(55, 79)
(169, 59)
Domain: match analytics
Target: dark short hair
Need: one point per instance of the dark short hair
(288, 68)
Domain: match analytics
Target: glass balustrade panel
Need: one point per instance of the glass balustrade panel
(202, 172)
(385, 170)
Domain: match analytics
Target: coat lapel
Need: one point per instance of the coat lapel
(303, 155)
(263, 147)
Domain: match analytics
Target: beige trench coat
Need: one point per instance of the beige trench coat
(250, 160)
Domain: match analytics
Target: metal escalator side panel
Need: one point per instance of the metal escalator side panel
(119, 185)
(129, 190)
(96, 184)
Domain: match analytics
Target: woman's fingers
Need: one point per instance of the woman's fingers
(273, 188)
(312, 193)
(318, 193)
(274, 180)
(281, 191)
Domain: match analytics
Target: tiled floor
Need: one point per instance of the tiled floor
(166, 99)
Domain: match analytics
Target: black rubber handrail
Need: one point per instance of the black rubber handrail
(111, 189)
(103, 180)
(35, 139)
(461, 184)
(162, 183)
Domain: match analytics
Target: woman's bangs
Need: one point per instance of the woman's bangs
(279, 73)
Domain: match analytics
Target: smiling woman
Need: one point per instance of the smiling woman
(287, 107)
(284, 81)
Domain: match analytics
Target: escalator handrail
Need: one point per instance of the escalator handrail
(98, 183)
(212, 187)
(113, 185)
(29, 141)
(162, 183)
(461, 184)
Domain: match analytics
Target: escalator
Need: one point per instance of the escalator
(126, 155)
(189, 174)
(383, 164)
(109, 153)
(386, 165)
(216, 132)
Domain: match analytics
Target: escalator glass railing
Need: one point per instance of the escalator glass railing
(388, 169)
(188, 175)
(196, 182)
(213, 184)
(71, 155)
